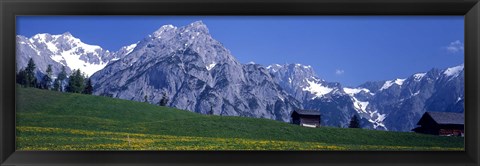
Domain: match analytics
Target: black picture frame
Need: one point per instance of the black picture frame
(9, 9)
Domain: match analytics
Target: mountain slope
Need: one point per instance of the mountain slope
(86, 122)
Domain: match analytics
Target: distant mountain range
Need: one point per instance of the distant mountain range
(199, 74)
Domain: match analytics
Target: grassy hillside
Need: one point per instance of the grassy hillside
(49, 120)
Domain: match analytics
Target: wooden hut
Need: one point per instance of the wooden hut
(441, 123)
(307, 118)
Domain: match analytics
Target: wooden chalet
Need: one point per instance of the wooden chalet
(307, 118)
(441, 123)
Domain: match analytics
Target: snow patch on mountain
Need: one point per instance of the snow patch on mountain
(389, 83)
(73, 61)
(416, 93)
(454, 71)
(210, 66)
(274, 68)
(458, 99)
(276, 65)
(317, 89)
(52, 47)
(79, 45)
(378, 121)
(42, 38)
(163, 29)
(360, 106)
(399, 81)
(130, 48)
(72, 57)
(354, 91)
(418, 76)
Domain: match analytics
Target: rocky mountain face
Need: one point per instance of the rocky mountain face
(64, 50)
(314, 93)
(403, 101)
(384, 105)
(197, 73)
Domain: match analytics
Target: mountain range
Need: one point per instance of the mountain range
(65, 50)
(199, 74)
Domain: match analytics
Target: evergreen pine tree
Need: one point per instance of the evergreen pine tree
(56, 85)
(164, 100)
(30, 79)
(21, 77)
(49, 70)
(61, 78)
(47, 79)
(88, 87)
(354, 122)
(71, 79)
(80, 82)
(76, 82)
(211, 110)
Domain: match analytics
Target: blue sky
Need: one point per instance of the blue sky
(345, 49)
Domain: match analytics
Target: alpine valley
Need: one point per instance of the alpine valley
(200, 75)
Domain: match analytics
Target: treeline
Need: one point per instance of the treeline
(77, 82)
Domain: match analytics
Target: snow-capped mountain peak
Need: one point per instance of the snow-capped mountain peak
(65, 50)
(72, 52)
(62, 42)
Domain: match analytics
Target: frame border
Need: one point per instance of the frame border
(9, 9)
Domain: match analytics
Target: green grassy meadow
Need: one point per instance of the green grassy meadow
(48, 120)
